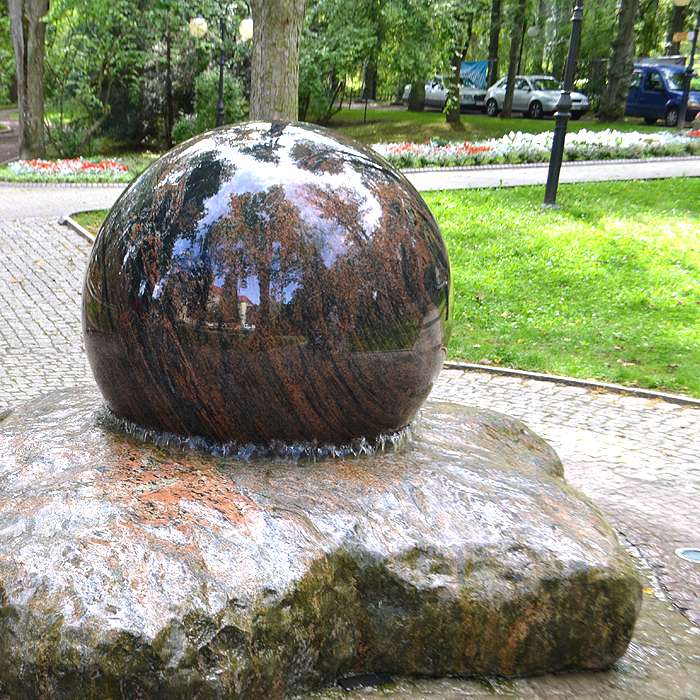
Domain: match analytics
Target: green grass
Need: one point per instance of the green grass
(137, 161)
(91, 220)
(608, 287)
(402, 125)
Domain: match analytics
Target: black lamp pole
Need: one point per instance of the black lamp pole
(688, 75)
(563, 112)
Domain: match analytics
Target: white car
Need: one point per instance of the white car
(470, 96)
(534, 95)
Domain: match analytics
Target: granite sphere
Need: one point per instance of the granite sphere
(268, 281)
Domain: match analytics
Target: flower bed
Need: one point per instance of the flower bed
(72, 168)
(520, 147)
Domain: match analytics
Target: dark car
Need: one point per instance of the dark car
(656, 93)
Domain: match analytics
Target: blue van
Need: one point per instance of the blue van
(656, 93)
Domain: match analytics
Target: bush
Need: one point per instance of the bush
(206, 96)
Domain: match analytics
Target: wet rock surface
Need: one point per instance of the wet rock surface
(128, 569)
(268, 281)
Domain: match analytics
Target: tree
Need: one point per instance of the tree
(494, 35)
(459, 23)
(612, 103)
(516, 40)
(676, 25)
(538, 60)
(28, 29)
(274, 88)
(409, 23)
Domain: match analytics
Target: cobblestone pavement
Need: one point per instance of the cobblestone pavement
(638, 459)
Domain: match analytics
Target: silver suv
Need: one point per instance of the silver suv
(534, 95)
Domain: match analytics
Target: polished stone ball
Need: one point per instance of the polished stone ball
(268, 281)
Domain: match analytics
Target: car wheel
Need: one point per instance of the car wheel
(492, 107)
(535, 110)
(576, 115)
(650, 120)
(671, 117)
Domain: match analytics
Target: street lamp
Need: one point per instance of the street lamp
(198, 29)
(563, 112)
(688, 75)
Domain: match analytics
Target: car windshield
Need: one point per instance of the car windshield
(546, 84)
(675, 80)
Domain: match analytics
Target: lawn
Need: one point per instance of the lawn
(401, 125)
(608, 287)
(91, 220)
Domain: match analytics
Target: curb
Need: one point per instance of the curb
(573, 381)
(71, 223)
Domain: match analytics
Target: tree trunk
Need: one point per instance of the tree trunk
(612, 103)
(538, 52)
(515, 43)
(169, 110)
(416, 98)
(452, 107)
(677, 24)
(274, 83)
(494, 34)
(370, 91)
(28, 41)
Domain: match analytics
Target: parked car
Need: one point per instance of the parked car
(533, 95)
(656, 92)
(470, 96)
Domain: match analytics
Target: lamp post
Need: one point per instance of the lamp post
(688, 75)
(198, 29)
(563, 112)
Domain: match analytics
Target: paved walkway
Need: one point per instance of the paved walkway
(570, 172)
(639, 460)
(51, 202)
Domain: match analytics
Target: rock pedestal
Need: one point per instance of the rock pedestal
(128, 570)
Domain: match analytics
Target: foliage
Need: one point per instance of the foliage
(607, 287)
(336, 41)
(205, 101)
(7, 61)
(92, 53)
(127, 67)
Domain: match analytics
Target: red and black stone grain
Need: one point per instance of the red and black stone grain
(268, 281)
